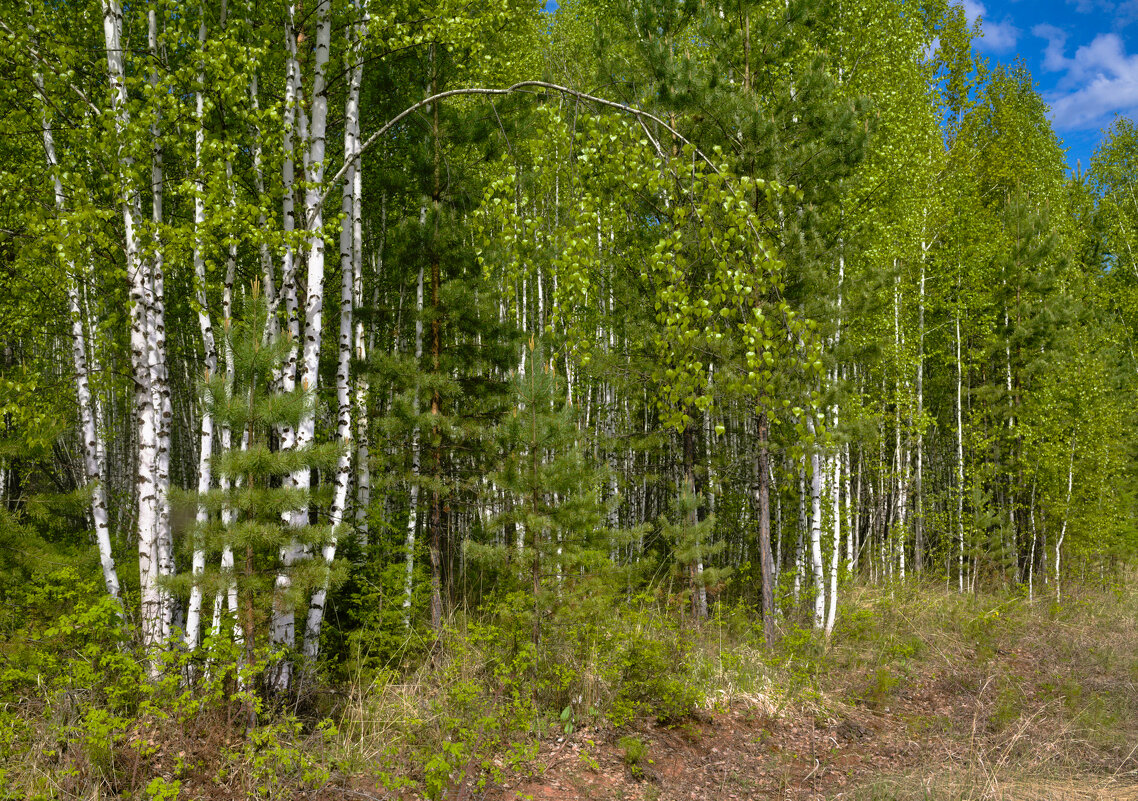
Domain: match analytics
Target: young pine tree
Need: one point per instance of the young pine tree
(247, 512)
(555, 513)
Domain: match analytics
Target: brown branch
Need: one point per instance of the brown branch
(517, 87)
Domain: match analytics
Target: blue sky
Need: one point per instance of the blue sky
(1083, 55)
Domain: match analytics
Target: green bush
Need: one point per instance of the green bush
(652, 668)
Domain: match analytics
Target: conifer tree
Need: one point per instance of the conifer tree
(555, 506)
(255, 499)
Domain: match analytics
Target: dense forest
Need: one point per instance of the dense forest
(328, 325)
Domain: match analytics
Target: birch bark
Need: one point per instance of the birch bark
(160, 378)
(1066, 515)
(350, 258)
(284, 618)
(836, 465)
(763, 502)
(959, 462)
(205, 477)
(93, 467)
(141, 297)
(816, 527)
(918, 484)
(413, 512)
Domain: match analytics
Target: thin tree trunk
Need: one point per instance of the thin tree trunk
(268, 272)
(160, 383)
(816, 527)
(1066, 515)
(762, 490)
(93, 467)
(854, 546)
(850, 532)
(959, 461)
(350, 257)
(799, 559)
(1031, 558)
(141, 296)
(205, 455)
(363, 446)
(281, 627)
(901, 456)
(918, 485)
(413, 513)
(226, 482)
(695, 570)
(435, 548)
(836, 553)
(778, 523)
(836, 461)
(284, 626)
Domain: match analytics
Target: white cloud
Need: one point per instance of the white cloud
(1099, 81)
(1087, 6)
(1053, 58)
(998, 37)
(1121, 13)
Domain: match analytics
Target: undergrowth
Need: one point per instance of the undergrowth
(1038, 688)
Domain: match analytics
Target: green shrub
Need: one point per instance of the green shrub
(635, 753)
(653, 676)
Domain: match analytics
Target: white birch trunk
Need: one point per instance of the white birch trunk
(413, 512)
(1031, 559)
(284, 618)
(901, 455)
(93, 467)
(141, 297)
(835, 461)
(836, 555)
(268, 272)
(816, 528)
(193, 611)
(363, 448)
(850, 528)
(314, 223)
(292, 100)
(854, 544)
(959, 461)
(799, 558)
(918, 486)
(228, 516)
(160, 380)
(281, 625)
(350, 258)
(1066, 515)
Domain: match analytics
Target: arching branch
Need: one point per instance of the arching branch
(517, 87)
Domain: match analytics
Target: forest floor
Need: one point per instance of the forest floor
(1015, 701)
(922, 692)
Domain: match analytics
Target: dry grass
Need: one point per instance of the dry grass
(1031, 701)
(1004, 699)
(979, 785)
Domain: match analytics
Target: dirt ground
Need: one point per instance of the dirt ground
(938, 737)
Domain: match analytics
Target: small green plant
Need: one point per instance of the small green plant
(161, 790)
(635, 754)
(442, 767)
(803, 653)
(690, 732)
(588, 760)
(882, 688)
(653, 674)
(904, 648)
(567, 720)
